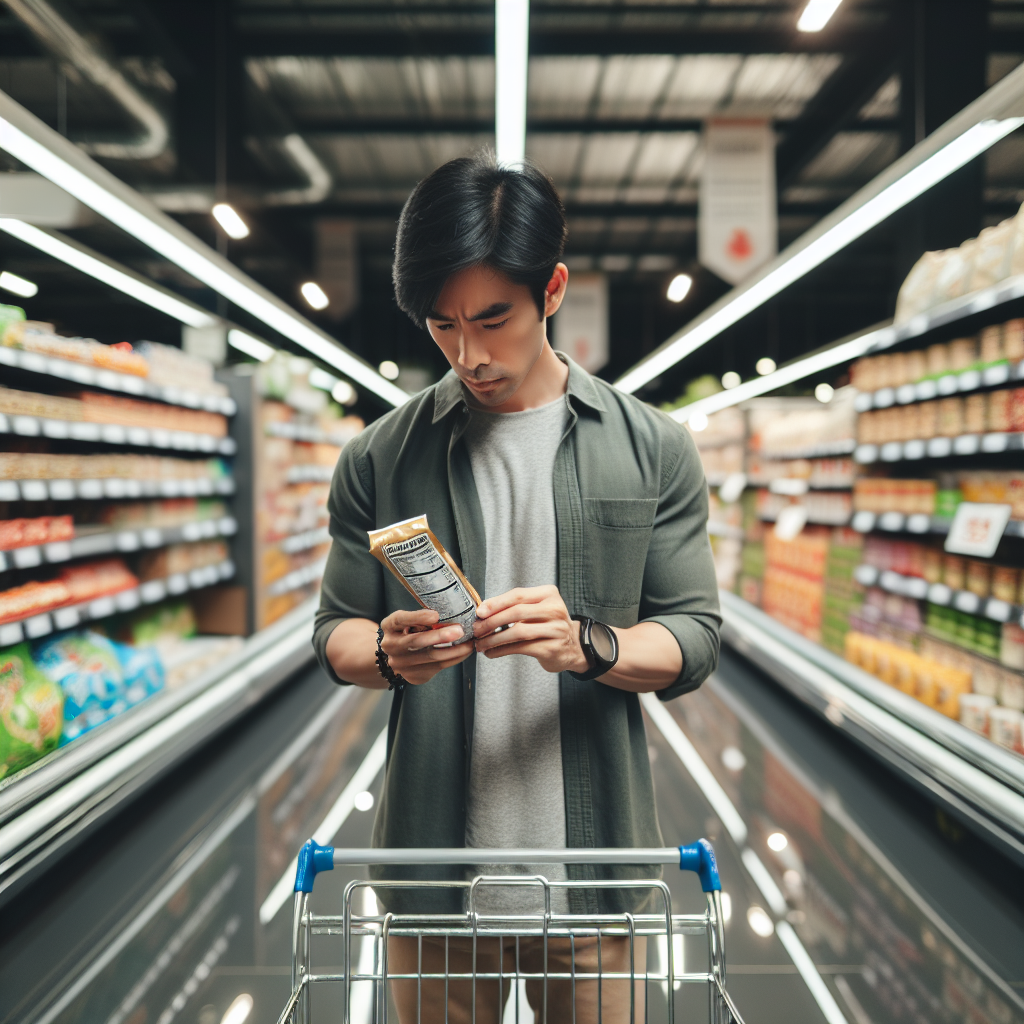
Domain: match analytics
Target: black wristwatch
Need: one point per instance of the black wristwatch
(600, 645)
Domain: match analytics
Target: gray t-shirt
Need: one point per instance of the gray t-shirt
(516, 795)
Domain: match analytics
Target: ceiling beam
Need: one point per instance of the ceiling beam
(571, 126)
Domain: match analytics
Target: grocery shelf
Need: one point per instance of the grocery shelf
(939, 448)
(113, 487)
(116, 433)
(311, 474)
(724, 530)
(827, 450)
(304, 432)
(982, 782)
(305, 540)
(938, 593)
(298, 578)
(768, 517)
(111, 380)
(918, 522)
(119, 541)
(30, 627)
(941, 387)
(53, 802)
(795, 486)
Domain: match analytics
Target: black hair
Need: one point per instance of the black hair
(472, 212)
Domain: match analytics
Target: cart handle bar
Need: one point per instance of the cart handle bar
(698, 857)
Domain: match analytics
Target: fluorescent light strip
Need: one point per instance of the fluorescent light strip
(894, 197)
(329, 827)
(726, 811)
(249, 345)
(511, 60)
(817, 14)
(124, 282)
(178, 251)
(871, 341)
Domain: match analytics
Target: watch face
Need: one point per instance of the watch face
(603, 642)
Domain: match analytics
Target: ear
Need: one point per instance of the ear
(554, 290)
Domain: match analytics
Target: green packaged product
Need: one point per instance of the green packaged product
(31, 711)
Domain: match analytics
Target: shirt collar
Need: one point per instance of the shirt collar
(448, 392)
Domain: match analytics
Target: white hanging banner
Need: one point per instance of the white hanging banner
(738, 224)
(581, 324)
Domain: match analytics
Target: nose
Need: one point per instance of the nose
(472, 351)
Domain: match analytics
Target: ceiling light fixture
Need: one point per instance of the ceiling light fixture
(47, 152)
(239, 1010)
(760, 923)
(511, 59)
(817, 14)
(777, 841)
(389, 369)
(982, 124)
(81, 258)
(227, 217)
(19, 285)
(765, 365)
(679, 287)
(250, 346)
(315, 295)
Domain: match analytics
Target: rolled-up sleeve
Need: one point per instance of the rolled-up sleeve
(680, 589)
(353, 584)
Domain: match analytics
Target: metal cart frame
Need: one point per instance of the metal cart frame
(474, 925)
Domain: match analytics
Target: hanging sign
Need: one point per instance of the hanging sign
(581, 324)
(738, 224)
(977, 529)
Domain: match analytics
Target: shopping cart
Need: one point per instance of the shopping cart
(366, 948)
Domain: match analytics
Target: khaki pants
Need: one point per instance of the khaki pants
(403, 958)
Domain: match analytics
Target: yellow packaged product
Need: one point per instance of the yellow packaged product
(413, 554)
(951, 685)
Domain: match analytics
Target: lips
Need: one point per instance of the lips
(484, 385)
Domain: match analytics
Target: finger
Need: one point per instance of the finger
(400, 620)
(521, 595)
(521, 632)
(518, 613)
(419, 641)
(531, 648)
(429, 655)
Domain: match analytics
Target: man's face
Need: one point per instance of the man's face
(491, 331)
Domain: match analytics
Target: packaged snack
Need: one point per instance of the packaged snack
(962, 354)
(992, 255)
(1004, 727)
(1011, 646)
(1011, 690)
(951, 416)
(86, 667)
(991, 344)
(32, 598)
(979, 580)
(974, 709)
(411, 551)
(938, 360)
(31, 711)
(953, 571)
(1005, 582)
(143, 672)
(974, 413)
(998, 417)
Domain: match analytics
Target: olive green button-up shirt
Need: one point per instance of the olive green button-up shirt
(631, 507)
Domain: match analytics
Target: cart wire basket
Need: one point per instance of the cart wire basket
(450, 951)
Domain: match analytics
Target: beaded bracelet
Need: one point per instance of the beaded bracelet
(395, 681)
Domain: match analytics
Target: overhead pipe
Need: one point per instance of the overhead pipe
(71, 47)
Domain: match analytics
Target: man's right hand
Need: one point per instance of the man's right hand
(409, 641)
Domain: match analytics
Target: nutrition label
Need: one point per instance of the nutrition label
(432, 579)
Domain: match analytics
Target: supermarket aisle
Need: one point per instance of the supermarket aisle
(176, 910)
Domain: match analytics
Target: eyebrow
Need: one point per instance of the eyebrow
(493, 310)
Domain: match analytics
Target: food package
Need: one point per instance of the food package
(97, 579)
(32, 598)
(916, 292)
(86, 667)
(974, 709)
(178, 558)
(21, 533)
(1004, 728)
(33, 336)
(992, 255)
(418, 559)
(31, 711)
(1013, 337)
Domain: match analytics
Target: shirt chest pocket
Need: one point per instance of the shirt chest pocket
(616, 535)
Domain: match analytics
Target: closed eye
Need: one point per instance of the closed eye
(494, 327)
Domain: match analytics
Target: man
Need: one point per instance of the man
(558, 496)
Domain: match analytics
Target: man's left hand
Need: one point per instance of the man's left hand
(538, 625)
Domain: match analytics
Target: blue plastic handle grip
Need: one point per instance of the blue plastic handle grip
(700, 857)
(313, 858)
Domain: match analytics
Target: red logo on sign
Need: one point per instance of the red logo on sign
(739, 246)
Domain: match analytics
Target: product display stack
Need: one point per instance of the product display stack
(897, 537)
(299, 436)
(116, 491)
